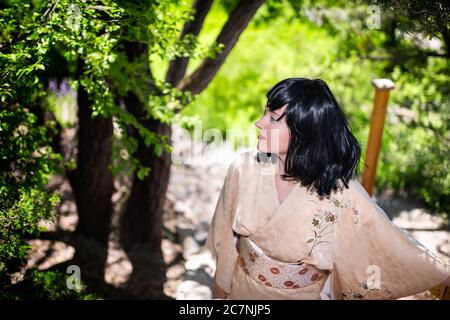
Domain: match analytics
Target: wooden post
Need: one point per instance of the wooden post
(382, 89)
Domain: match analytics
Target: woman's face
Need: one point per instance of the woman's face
(273, 135)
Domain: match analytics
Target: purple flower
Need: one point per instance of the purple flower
(64, 88)
(53, 85)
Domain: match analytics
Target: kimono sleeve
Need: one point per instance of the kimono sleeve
(375, 259)
(221, 240)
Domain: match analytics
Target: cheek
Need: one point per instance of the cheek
(284, 139)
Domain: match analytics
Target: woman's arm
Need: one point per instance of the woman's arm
(221, 240)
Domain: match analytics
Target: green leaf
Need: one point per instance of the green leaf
(143, 172)
(158, 149)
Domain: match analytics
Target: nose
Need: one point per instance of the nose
(258, 123)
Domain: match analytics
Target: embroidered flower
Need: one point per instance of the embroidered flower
(365, 290)
(315, 222)
(321, 222)
(340, 204)
(329, 217)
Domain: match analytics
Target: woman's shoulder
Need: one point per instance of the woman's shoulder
(344, 195)
(357, 191)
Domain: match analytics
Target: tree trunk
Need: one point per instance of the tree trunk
(92, 180)
(92, 183)
(141, 222)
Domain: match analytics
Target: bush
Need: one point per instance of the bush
(45, 285)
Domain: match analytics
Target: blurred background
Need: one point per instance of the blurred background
(119, 119)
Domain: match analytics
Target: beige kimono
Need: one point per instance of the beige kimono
(347, 234)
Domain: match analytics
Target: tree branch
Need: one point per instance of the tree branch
(68, 237)
(50, 9)
(235, 25)
(446, 37)
(400, 58)
(177, 67)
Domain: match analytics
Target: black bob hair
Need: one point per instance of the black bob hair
(322, 149)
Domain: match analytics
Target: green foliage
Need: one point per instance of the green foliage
(415, 154)
(81, 42)
(430, 17)
(26, 159)
(95, 34)
(25, 163)
(45, 285)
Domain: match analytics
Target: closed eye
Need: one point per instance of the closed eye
(272, 119)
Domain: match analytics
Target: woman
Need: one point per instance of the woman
(292, 222)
